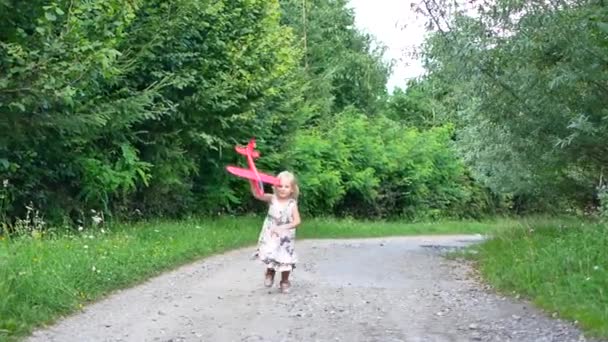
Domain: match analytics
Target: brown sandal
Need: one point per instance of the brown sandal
(285, 285)
(269, 280)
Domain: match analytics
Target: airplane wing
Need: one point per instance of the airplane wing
(248, 174)
(243, 151)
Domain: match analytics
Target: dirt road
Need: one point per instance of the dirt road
(393, 289)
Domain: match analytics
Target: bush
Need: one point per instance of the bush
(373, 166)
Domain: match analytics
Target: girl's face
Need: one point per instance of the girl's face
(284, 190)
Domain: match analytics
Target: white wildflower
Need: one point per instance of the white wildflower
(97, 219)
(80, 228)
(5, 183)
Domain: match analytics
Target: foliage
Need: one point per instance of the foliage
(62, 101)
(127, 106)
(132, 109)
(525, 84)
(233, 72)
(344, 65)
(374, 166)
(413, 106)
(603, 200)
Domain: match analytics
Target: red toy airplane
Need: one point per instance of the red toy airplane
(252, 173)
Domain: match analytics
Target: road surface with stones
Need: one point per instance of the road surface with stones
(389, 289)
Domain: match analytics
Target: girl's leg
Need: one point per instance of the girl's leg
(269, 277)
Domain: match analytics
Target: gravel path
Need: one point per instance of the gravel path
(392, 289)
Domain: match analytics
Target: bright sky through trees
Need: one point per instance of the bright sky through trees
(393, 23)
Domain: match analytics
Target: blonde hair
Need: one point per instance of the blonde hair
(289, 177)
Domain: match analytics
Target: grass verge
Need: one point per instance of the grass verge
(344, 229)
(561, 265)
(42, 279)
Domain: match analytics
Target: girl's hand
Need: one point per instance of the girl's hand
(280, 230)
(284, 228)
(277, 231)
(262, 197)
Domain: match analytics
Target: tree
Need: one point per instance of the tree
(120, 105)
(527, 89)
(345, 66)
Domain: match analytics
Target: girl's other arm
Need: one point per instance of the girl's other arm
(295, 222)
(263, 197)
(296, 217)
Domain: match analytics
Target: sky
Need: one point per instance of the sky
(394, 24)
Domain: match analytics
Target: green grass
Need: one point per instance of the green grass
(42, 279)
(333, 228)
(561, 265)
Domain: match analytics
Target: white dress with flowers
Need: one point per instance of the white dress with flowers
(277, 252)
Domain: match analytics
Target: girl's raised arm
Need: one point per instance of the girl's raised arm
(264, 197)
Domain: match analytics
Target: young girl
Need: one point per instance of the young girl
(277, 238)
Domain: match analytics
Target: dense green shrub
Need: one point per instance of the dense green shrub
(374, 166)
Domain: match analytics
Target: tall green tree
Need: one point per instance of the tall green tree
(344, 65)
(64, 106)
(526, 83)
(415, 106)
(120, 105)
(234, 76)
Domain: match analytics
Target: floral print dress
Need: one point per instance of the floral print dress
(277, 252)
